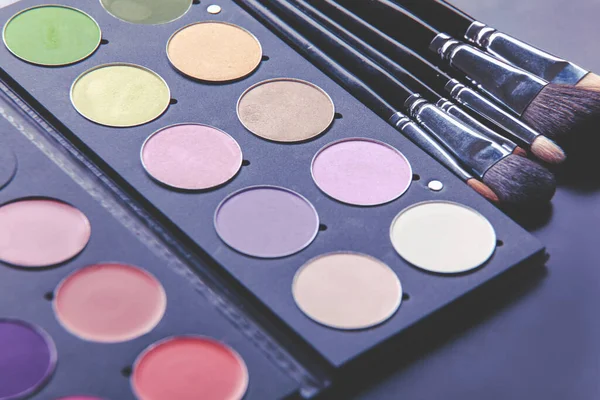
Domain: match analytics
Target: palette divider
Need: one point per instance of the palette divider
(277, 341)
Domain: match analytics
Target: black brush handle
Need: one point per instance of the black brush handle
(440, 14)
(391, 89)
(395, 21)
(320, 59)
(396, 51)
(396, 70)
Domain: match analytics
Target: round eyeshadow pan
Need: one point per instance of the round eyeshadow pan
(52, 35)
(214, 51)
(27, 358)
(443, 237)
(41, 232)
(120, 95)
(361, 171)
(266, 221)
(8, 164)
(189, 368)
(191, 156)
(147, 12)
(285, 110)
(110, 303)
(347, 290)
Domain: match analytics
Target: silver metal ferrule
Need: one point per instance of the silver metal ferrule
(428, 144)
(509, 85)
(469, 146)
(523, 55)
(461, 115)
(477, 103)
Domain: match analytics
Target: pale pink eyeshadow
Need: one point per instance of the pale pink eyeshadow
(110, 303)
(41, 232)
(361, 172)
(191, 156)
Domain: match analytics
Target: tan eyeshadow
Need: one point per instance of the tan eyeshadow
(347, 290)
(214, 51)
(286, 110)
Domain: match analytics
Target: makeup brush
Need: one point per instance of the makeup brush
(404, 76)
(484, 158)
(539, 145)
(560, 112)
(459, 24)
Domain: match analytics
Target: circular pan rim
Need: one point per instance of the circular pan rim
(454, 203)
(296, 80)
(205, 338)
(241, 160)
(53, 352)
(273, 187)
(111, 263)
(361, 139)
(157, 24)
(48, 198)
(120, 64)
(338, 327)
(44, 6)
(215, 82)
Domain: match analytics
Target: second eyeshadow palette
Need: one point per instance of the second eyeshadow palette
(339, 226)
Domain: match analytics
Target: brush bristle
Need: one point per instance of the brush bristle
(547, 151)
(483, 190)
(591, 82)
(564, 113)
(519, 151)
(520, 181)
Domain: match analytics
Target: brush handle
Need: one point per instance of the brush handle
(320, 59)
(440, 14)
(428, 144)
(523, 55)
(511, 86)
(394, 20)
(397, 52)
(375, 76)
(367, 50)
(461, 115)
(475, 150)
(477, 103)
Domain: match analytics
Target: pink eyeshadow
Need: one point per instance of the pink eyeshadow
(41, 232)
(110, 303)
(189, 368)
(361, 172)
(191, 156)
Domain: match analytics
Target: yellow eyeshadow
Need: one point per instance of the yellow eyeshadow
(120, 95)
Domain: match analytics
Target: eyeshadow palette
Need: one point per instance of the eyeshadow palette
(59, 333)
(333, 231)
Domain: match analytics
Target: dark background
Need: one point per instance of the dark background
(538, 336)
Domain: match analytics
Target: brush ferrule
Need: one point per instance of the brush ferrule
(477, 103)
(428, 144)
(470, 147)
(523, 55)
(511, 86)
(461, 115)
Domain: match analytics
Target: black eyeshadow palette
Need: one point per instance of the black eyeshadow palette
(44, 170)
(262, 281)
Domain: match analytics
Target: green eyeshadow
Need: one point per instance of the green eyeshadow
(147, 12)
(52, 35)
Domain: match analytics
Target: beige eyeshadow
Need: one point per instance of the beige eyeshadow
(214, 51)
(285, 110)
(347, 290)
